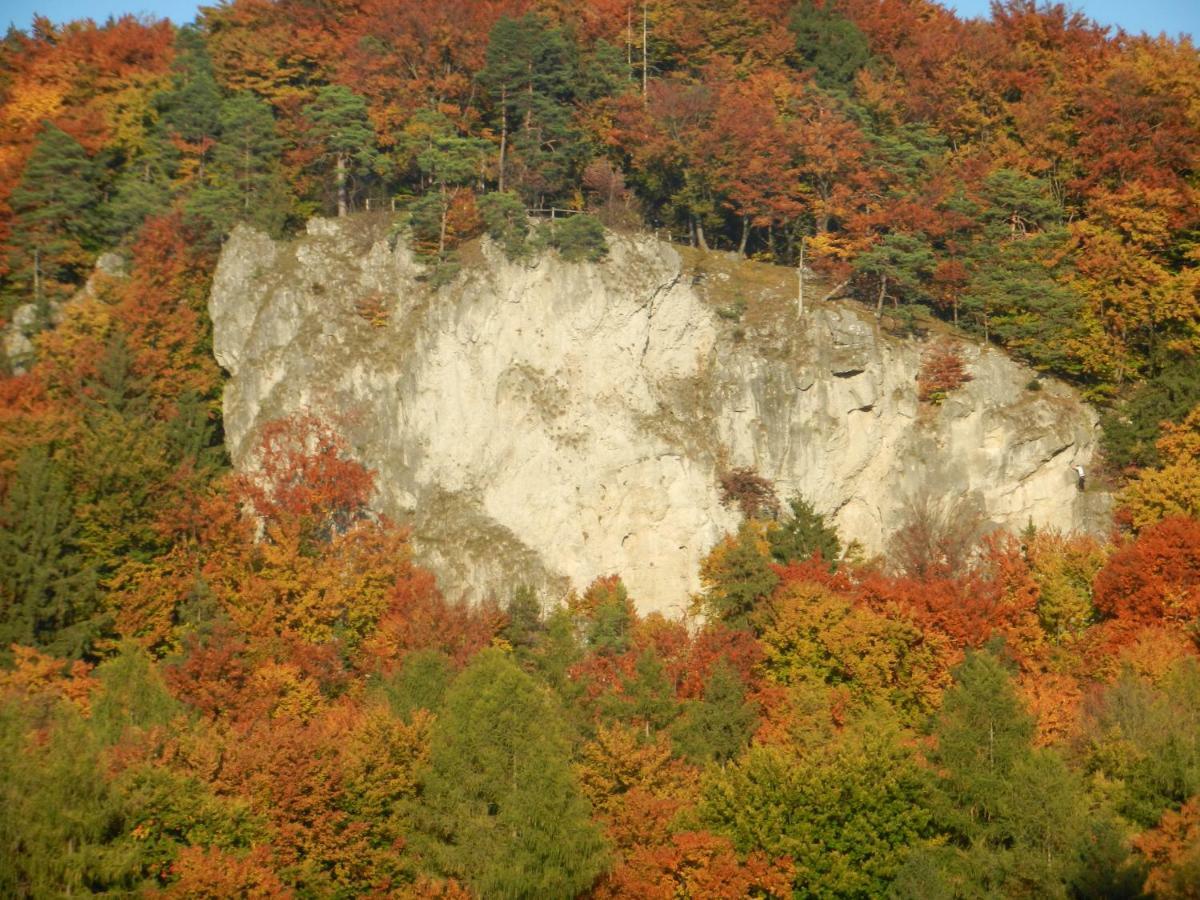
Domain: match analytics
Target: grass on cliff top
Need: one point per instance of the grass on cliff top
(759, 298)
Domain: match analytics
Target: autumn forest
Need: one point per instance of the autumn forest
(216, 683)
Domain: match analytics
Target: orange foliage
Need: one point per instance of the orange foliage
(696, 864)
(43, 678)
(1156, 577)
(213, 874)
(1173, 851)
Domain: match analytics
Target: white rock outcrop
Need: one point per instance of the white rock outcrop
(547, 423)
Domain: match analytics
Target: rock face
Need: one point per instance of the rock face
(550, 422)
(16, 338)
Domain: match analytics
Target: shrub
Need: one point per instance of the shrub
(505, 221)
(579, 237)
(749, 492)
(942, 371)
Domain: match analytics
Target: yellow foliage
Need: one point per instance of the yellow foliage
(815, 635)
(1174, 487)
(1064, 568)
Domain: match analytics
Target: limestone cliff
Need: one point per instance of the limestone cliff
(550, 422)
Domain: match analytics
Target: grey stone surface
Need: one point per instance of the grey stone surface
(547, 423)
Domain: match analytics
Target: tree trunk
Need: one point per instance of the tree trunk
(882, 295)
(442, 230)
(745, 236)
(700, 234)
(341, 185)
(629, 39)
(645, 44)
(503, 131)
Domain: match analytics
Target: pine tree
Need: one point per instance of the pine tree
(829, 43)
(533, 73)
(344, 134)
(144, 187)
(243, 181)
(501, 807)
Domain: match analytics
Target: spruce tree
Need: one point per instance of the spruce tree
(48, 592)
(501, 809)
(54, 217)
(717, 727)
(798, 538)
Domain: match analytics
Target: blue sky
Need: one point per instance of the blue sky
(1172, 16)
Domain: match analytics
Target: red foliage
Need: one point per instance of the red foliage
(1156, 577)
(716, 642)
(213, 675)
(942, 370)
(162, 310)
(419, 617)
(304, 473)
(967, 610)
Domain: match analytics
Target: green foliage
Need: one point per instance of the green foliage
(243, 183)
(192, 108)
(54, 226)
(343, 132)
(737, 576)
(501, 808)
(557, 651)
(48, 591)
(717, 727)
(901, 263)
(1016, 290)
(506, 222)
(62, 826)
(1106, 866)
(610, 619)
(577, 238)
(1131, 426)
(647, 698)
(421, 683)
(132, 695)
(847, 813)
(524, 611)
(803, 534)
(1147, 738)
(1015, 813)
(982, 734)
(143, 189)
(828, 43)
(535, 76)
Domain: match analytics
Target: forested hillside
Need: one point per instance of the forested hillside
(217, 684)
